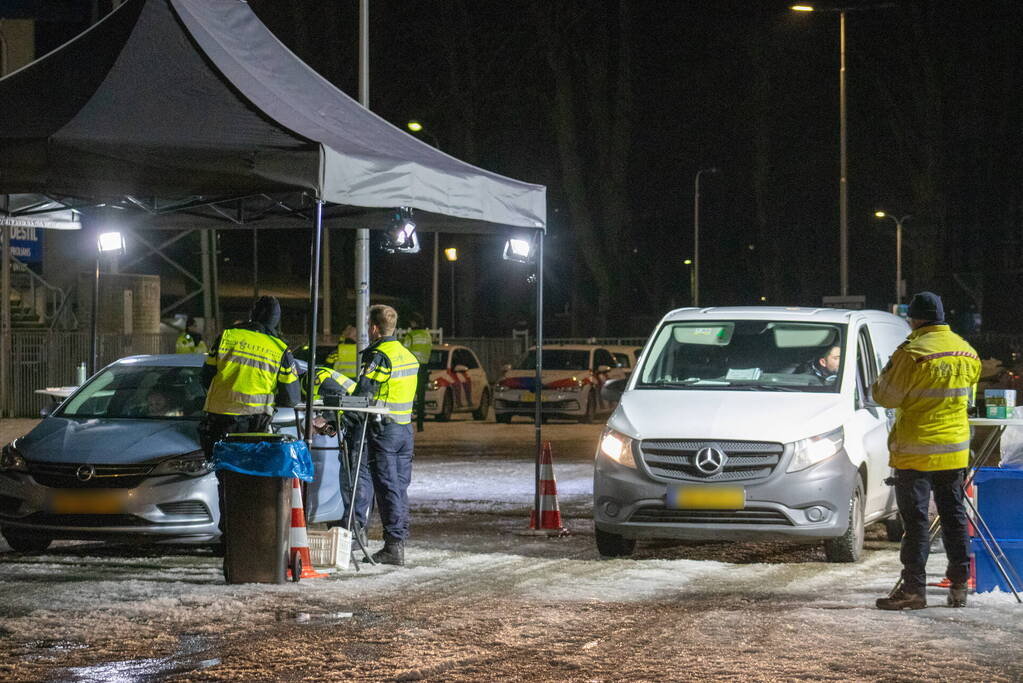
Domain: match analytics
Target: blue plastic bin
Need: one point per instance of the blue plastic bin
(1000, 501)
(988, 576)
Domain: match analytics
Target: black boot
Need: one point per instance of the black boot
(957, 595)
(904, 598)
(393, 552)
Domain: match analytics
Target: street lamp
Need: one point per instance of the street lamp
(696, 233)
(417, 127)
(898, 251)
(451, 254)
(843, 176)
(692, 285)
(107, 243)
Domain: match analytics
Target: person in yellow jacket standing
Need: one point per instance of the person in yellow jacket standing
(420, 343)
(190, 339)
(930, 381)
(389, 376)
(345, 358)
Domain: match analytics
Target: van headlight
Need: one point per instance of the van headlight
(11, 460)
(192, 464)
(807, 452)
(618, 447)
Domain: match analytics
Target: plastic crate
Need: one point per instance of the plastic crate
(999, 495)
(331, 548)
(988, 576)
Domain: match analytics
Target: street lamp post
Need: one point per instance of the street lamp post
(107, 243)
(418, 128)
(696, 233)
(451, 254)
(898, 251)
(692, 285)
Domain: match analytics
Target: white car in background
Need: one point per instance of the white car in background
(458, 384)
(572, 377)
(626, 357)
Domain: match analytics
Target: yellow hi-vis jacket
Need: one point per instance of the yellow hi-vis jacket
(331, 378)
(345, 359)
(249, 367)
(930, 380)
(186, 343)
(419, 343)
(395, 370)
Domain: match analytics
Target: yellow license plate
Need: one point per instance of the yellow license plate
(707, 497)
(85, 503)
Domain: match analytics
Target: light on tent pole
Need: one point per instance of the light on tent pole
(362, 234)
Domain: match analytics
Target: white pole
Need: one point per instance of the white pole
(362, 235)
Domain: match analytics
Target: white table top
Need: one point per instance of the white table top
(994, 422)
(318, 405)
(57, 392)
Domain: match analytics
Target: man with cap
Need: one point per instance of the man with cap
(248, 372)
(930, 381)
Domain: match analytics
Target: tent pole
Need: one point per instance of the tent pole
(362, 235)
(255, 263)
(204, 255)
(326, 283)
(5, 310)
(215, 292)
(314, 293)
(538, 391)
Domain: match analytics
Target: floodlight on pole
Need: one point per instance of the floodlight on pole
(110, 242)
(401, 237)
(520, 250)
(451, 254)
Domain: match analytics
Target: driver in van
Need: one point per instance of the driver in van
(825, 367)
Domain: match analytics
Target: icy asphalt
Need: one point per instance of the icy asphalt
(480, 602)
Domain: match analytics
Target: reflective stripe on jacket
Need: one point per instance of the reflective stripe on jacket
(345, 359)
(249, 367)
(331, 378)
(396, 378)
(419, 343)
(930, 381)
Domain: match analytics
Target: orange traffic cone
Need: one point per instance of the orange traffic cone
(299, 538)
(550, 513)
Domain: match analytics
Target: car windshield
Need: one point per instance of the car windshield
(438, 360)
(147, 392)
(745, 355)
(556, 359)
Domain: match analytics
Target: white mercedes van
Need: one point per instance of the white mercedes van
(750, 424)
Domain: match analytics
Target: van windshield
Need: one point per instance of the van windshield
(745, 355)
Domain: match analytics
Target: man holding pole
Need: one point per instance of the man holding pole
(930, 381)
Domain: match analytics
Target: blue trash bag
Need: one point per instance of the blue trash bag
(265, 459)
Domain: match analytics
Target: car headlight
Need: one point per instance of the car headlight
(434, 385)
(11, 460)
(500, 388)
(192, 464)
(807, 452)
(618, 447)
(575, 387)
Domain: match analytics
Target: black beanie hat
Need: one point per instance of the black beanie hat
(927, 306)
(266, 310)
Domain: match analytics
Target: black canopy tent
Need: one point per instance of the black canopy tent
(190, 113)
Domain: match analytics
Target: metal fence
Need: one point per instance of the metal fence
(49, 359)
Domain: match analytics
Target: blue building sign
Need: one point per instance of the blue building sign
(27, 244)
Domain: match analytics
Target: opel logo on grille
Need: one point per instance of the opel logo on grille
(85, 472)
(710, 461)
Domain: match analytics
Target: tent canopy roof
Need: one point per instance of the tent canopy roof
(185, 102)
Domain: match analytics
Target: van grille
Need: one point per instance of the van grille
(674, 459)
(663, 515)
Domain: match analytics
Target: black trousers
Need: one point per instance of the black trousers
(913, 492)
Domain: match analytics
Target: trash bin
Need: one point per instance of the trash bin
(256, 472)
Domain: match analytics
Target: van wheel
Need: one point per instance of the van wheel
(849, 546)
(484, 409)
(893, 528)
(613, 545)
(447, 407)
(591, 409)
(26, 542)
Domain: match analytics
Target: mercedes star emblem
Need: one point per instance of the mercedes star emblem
(85, 472)
(710, 461)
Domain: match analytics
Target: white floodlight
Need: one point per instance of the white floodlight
(401, 236)
(109, 242)
(519, 250)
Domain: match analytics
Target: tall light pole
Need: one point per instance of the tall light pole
(451, 254)
(418, 128)
(692, 285)
(898, 251)
(696, 233)
(107, 243)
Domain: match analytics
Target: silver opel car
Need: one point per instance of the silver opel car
(118, 460)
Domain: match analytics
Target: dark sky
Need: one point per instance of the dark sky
(751, 87)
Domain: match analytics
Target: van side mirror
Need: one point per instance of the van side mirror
(47, 409)
(601, 369)
(460, 368)
(612, 390)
